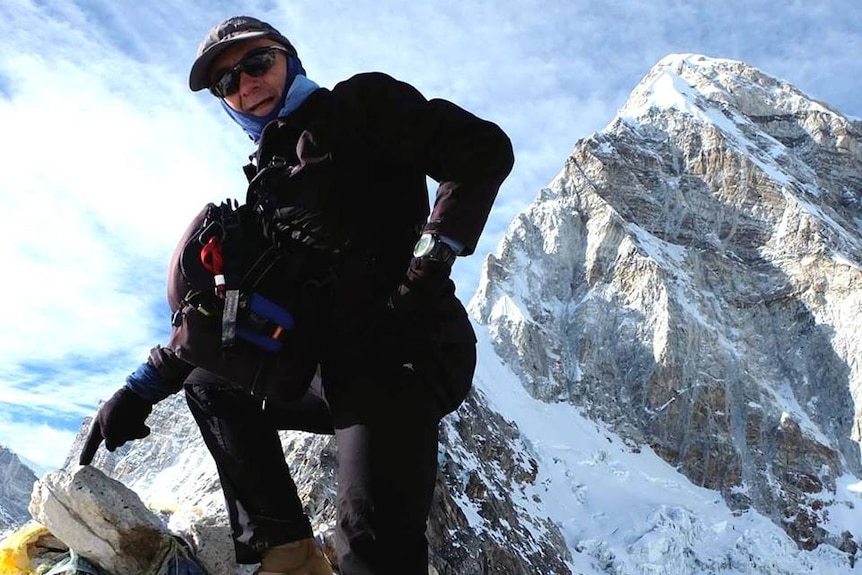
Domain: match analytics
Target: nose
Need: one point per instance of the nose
(246, 82)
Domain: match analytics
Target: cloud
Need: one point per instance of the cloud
(42, 446)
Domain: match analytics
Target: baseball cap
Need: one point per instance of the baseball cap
(233, 30)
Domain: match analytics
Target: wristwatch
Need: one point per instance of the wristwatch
(432, 247)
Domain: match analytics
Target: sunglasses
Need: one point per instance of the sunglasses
(256, 63)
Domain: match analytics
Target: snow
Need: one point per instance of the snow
(507, 307)
(665, 253)
(625, 511)
(843, 260)
(605, 148)
(785, 398)
(665, 89)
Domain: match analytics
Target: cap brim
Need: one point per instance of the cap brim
(199, 77)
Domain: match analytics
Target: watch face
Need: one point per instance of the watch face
(424, 245)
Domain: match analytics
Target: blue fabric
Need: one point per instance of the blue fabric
(74, 564)
(180, 562)
(148, 383)
(454, 244)
(297, 87)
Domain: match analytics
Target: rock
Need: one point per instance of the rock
(102, 520)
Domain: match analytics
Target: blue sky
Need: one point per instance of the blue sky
(106, 155)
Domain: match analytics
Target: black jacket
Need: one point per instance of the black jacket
(361, 152)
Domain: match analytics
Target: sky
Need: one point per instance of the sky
(106, 155)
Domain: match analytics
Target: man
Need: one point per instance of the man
(340, 175)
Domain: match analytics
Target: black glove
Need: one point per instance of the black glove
(119, 420)
(425, 281)
(312, 229)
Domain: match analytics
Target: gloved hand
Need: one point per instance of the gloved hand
(426, 279)
(308, 228)
(119, 420)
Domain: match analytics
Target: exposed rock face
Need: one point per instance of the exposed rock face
(486, 469)
(16, 484)
(693, 277)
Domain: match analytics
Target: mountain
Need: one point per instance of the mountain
(668, 378)
(692, 278)
(16, 485)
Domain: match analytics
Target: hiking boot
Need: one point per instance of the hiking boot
(304, 557)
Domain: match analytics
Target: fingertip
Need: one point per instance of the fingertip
(91, 444)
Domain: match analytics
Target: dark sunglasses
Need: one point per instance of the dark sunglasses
(256, 63)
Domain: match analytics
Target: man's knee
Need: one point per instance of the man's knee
(207, 394)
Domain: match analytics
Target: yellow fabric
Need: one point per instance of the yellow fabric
(13, 549)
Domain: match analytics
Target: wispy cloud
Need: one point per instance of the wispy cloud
(106, 155)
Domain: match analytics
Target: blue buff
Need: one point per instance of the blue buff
(148, 383)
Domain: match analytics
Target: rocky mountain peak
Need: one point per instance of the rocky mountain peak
(694, 82)
(692, 277)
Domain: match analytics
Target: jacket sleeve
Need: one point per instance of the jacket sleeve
(467, 156)
(161, 375)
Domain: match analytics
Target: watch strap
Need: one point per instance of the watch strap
(443, 252)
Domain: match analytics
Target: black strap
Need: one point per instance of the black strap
(250, 171)
(232, 243)
(258, 195)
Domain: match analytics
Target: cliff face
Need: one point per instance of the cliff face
(16, 484)
(693, 277)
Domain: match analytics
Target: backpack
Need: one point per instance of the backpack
(242, 287)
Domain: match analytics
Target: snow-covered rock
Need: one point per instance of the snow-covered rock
(693, 278)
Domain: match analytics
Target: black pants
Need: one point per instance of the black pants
(386, 429)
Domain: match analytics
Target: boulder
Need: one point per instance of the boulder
(102, 520)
